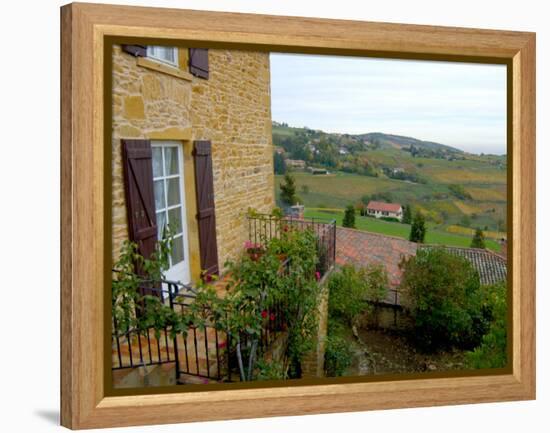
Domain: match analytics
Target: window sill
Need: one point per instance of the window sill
(165, 69)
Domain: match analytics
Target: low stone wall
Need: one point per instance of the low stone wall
(313, 365)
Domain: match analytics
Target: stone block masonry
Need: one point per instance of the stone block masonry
(231, 109)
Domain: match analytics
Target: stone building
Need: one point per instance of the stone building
(191, 147)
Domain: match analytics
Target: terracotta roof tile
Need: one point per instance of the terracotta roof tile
(384, 207)
(362, 248)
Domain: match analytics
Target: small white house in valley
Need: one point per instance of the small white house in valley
(380, 209)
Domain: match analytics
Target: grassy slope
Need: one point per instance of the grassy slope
(399, 230)
(340, 189)
(481, 176)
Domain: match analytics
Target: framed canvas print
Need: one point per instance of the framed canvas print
(265, 215)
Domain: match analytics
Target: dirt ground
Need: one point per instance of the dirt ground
(386, 352)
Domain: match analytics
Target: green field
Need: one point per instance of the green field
(454, 190)
(337, 190)
(433, 236)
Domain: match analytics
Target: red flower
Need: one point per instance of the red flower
(208, 278)
(264, 314)
(272, 316)
(222, 345)
(285, 228)
(318, 275)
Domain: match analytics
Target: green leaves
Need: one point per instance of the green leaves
(418, 228)
(492, 352)
(351, 287)
(284, 274)
(443, 293)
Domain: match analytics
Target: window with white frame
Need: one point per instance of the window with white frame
(169, 200)
(168, 55)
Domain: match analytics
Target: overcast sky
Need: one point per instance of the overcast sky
(459, 104)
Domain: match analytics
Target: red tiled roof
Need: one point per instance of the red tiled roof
(384, 207)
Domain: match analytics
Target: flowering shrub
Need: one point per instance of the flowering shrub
(252, 247)
(256, 282)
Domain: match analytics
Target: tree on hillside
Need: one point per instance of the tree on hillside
(478, 241)
(407, 214)
(459, 192)
(305, 189)
(288, 190)
(279, 164)
(465, 221)
(418, 228)
(365, 199)
(361, 208)
(349, 217)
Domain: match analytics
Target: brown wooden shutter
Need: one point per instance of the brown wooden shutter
(135, 50)
(198, 62)
(137, 160)
(206, 215)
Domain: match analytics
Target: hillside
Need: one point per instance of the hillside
(457, 191)
(398, 141)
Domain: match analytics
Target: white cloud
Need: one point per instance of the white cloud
(459, 104)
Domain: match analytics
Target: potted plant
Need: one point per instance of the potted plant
(254, 250)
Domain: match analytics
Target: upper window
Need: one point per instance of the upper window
(168, 55)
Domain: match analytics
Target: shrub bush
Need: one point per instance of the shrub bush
(443, 293)
(338, 351)
(492, 351)
(351, 287)
(390, 219)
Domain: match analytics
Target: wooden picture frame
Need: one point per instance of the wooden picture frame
(85, 27)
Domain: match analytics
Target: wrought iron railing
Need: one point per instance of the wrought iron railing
(264, 227)
(204, 352)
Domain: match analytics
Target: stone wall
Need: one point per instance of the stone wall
(313, 364)
(231, 108)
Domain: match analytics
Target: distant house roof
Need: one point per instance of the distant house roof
(491, 266)
(296, 162)
(384, 207)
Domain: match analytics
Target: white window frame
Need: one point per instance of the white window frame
(184, 235)
(155, 56)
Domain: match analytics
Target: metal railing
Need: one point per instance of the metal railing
(198, 352)
(204, 352)
(264, 227)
